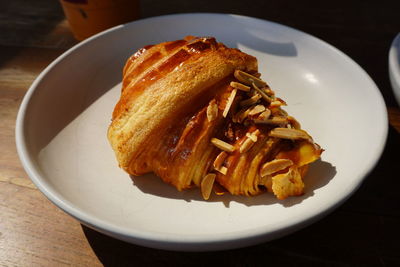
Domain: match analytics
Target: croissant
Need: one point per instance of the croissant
(196, 113)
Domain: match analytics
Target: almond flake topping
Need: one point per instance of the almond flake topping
(223, 170)
(218, 189)
(256, 110)
(247, 144)
(295, 124)
(222, 145)
(212, 111)
(292, 134)
(276, 103)
(253, 138)
(262, 93)
(240, 86)
(274, 166)
(269, 91)
(264, 115)
(252, 100)
(274, 121)
(254, 135)
(229, 102)
(207, 185)
(248, 78)
(241, 115)
(219, 160)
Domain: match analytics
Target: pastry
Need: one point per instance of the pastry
(197, 113)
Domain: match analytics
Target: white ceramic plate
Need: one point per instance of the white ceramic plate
(394, 67)
(62, 123)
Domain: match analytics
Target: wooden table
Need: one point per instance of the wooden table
(363, 231)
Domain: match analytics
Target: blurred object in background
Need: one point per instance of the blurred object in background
(394, 67)
(88, 17)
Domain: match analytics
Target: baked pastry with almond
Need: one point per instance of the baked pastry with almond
(197, 113)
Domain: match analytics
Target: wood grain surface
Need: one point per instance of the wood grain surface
(362, 232)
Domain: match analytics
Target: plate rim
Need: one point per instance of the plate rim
(168, 241)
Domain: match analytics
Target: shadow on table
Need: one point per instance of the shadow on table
(113, 252)
(339, 240)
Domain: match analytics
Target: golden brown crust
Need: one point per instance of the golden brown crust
(175, 75)
(177, 97)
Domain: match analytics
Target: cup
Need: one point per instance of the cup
(88, 17)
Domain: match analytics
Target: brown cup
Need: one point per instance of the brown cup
(88, 17)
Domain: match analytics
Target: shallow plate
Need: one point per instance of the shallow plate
(62, 124)
(394, 67)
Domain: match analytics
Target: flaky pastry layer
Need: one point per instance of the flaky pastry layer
(196, 113)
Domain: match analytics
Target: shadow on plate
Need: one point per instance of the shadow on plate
(319, 174)
(254, 37)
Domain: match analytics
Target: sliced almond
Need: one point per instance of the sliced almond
(268, 91)
(247, 144)
(222, 145)
(251, 101)
(207, 185)
(219, 160)
(256, 110)
(218, 189)
(248, 78)
(276, 103)
(264, 115)
(278, 112)
(254, 135)
(229, 102)
(262, 93)
(212, 111)
(273, 121)
(286, 133)
(295, 124)
(240, 86)
(283, 103)
(274, 166)
(222, 170)
(241, 115)
(252, 92)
